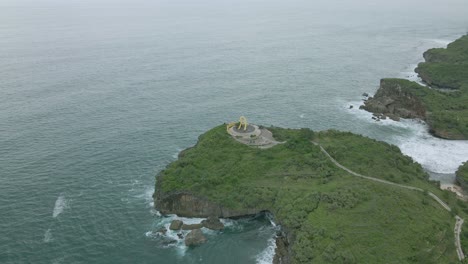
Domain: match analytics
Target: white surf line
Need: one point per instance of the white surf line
(458, 220)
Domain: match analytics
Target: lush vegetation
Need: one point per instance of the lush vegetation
(462, 172)
(447, 68)
(333, 216)
(447, 112)
(447, 107)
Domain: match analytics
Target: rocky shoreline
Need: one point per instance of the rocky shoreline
(392, 100)
(442, 104)
(185, 204)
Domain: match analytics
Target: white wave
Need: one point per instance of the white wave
(172, 236)
(267, 255)
(441, 43)
(434, 154)
(48, 236)
(270, 218)
(155, 212)
(301, 115)
(146, 195)
(411, 75)
(176, 155)
(60, 205)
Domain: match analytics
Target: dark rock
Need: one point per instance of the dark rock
(282, 250)
(188, 205)
(195, 238)
(393, 117)
(162, 230)
(351, 106)
(383, 117)
(213, 223)
(192, 226)
(365, 94)
(176, 225)
(180, 235)
(395, 101)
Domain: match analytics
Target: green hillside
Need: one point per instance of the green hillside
(330, 215)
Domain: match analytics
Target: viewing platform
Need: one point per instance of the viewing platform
(250, 134)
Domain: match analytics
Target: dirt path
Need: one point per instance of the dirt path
(458, 220)
(457, 230)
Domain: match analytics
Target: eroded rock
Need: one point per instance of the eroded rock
(213, 223)
(195, 238)
(176, 225)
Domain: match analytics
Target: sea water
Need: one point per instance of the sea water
(98, 96)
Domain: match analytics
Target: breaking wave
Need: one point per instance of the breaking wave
(60, 205)
(48, 236)
(267, 255)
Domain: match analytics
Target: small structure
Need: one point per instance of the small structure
(250, 134)
(243, 122)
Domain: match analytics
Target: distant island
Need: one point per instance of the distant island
(339, 197)
(443, 104)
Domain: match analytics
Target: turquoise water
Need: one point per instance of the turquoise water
(97, 96)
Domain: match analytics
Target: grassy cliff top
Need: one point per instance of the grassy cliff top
(447, 68)
(332, 216)
(444, 104)
(447, 112)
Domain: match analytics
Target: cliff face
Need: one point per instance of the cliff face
(189, 205)
(394, 100)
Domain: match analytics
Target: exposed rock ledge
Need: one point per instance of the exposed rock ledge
(394, 101)
(188, 205)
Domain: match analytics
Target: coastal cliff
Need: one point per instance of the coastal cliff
(186, 204)
(443, 105)
(395, 100)
(326, 215)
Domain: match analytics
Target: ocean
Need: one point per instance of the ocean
(98, 96)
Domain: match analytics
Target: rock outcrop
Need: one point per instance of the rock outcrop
(282, 251)
(187, 205)
(176, 225)
(395, 101)
(213, 223)
(195, 238)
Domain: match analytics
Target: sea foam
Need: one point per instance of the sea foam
(48, 236)
(435, 154)
(60, 205)
(267, 255)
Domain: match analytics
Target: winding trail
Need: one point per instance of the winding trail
(458, 220)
